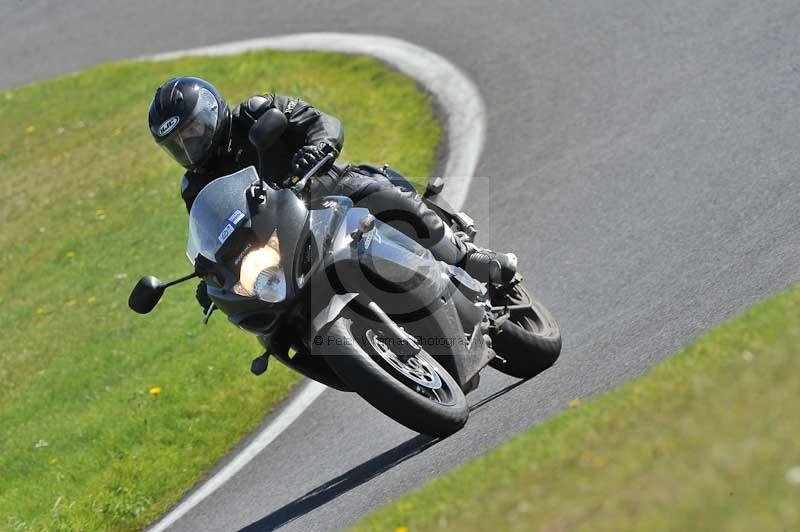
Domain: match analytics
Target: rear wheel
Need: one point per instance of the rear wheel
(400, 379)
(530, 340)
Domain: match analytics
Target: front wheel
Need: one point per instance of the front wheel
(530, 340)
(402, 381)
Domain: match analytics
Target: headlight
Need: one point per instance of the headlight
(261, 274)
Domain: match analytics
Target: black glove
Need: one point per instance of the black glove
(201, 294)
(308, 156)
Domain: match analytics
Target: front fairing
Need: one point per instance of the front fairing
(224, 224)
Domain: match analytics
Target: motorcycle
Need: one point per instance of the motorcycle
(354, 303)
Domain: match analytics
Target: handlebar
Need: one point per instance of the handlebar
(300, 186)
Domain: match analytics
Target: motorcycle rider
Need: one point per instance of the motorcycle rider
(190, 120)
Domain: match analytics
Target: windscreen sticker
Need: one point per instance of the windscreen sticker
(225, 233)
(236, 217)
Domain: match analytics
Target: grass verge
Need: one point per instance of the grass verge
(107, 417)
(707, 440)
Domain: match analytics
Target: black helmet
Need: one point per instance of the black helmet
(188, 118)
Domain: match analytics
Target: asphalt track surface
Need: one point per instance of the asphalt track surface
(641, 159)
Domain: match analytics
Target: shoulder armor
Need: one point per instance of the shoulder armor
(258, 104)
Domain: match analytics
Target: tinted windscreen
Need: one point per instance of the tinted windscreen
(219, 208)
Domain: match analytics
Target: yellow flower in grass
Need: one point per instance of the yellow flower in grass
(575, 403)
(155, 390)
(401, 529)
(100, 214)
(53, 460)
(117, 132)
(40, 310)
(30, 129)
(91, 299)
(69, 254)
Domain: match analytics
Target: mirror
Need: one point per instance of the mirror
(146, 294)
(268, 129)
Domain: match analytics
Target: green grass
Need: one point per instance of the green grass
(708, 440)
(88, 204)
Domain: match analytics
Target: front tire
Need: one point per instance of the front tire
(418, 392)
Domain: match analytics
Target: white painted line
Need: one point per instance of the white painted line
(311, 390)
(465, 115)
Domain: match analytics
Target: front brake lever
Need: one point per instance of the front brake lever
(301, 185)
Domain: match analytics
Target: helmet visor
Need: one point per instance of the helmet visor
(190, 142)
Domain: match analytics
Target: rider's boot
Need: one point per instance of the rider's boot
(489, 266)
(485, 265)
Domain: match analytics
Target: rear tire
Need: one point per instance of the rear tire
(423, 396)
(530, 341)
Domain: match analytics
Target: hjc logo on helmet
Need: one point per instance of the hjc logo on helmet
(168, 125)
